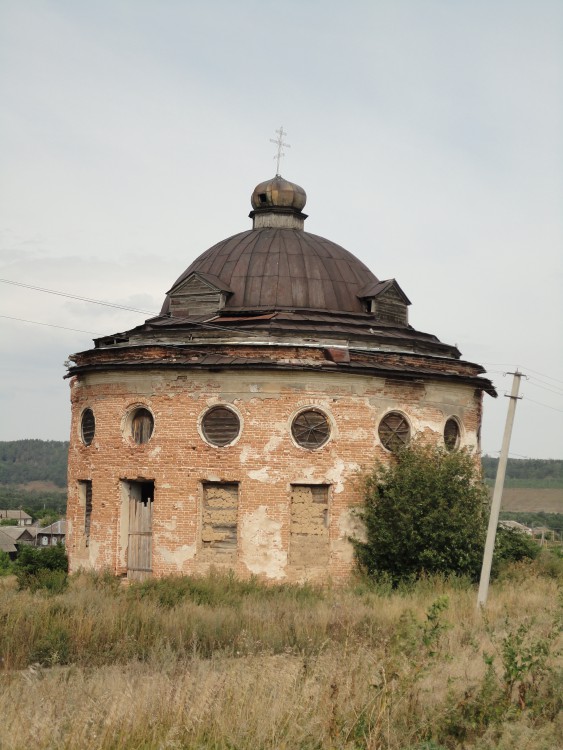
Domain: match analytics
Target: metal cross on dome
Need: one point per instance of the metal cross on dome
(280, 144)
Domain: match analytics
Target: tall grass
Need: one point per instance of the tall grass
(217, 663)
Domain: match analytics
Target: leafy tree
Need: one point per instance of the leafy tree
(425, 512)
(8, 522)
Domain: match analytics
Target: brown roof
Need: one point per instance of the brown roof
(59, 527)
(15, 514)
(284, 268)
(17, 532)
(6, 543)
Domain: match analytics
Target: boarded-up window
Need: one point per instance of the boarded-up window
(88, 426)
(394, 431)
(310, 429)
(309, 526)
(220, 517)
(451, 434)
(85, 494)
(220, 426)
(142, 425)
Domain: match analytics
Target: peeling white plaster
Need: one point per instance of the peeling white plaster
(91, 560)
(170, 525)
(349, 526)
(254, 388)
(178, 556)
(339, 471)
(247, 453)
(155, 451)
(260, 475)
(273, 443)
(261, 544)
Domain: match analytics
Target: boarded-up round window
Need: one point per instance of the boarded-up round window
(310, 429)
(394, 431)
(142, 425)
(220, 426)
(87, 426)
(451, 434)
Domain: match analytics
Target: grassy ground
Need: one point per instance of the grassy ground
(215, 663)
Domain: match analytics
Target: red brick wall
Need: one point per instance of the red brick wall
(264, 461)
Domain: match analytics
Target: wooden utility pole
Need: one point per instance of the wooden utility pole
(497, 494)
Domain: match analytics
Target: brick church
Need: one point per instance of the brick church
(231, 430)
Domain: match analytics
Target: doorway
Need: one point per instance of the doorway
(139, 541)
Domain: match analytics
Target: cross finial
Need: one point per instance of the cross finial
(280, 144)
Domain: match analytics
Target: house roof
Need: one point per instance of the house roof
(6, 543)
(17, 532)
(59, 527)
(17, 514)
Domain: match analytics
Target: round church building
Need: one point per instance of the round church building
(231, 431)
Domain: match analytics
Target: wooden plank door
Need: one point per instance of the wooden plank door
(139, 548)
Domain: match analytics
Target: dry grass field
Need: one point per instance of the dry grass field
(215, 663)
(532, 500)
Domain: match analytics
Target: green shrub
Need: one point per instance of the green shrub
(512, 545)
(425, 513)
(6, 565)
(42, 568)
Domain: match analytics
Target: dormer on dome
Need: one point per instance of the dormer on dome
(278, 203)
(198, 294)
(386, 300)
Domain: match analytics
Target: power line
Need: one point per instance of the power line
(530, 369)
(50, 325)
(545, 388)
(115, 306)
(77, 297)
(547, 406)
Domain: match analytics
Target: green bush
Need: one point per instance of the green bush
(42, 568)
(513, 545)
(6, 565)
(425, 513)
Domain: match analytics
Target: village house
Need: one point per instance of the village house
(50, 535)
(23, 518)
(230, 431)
(21, 534)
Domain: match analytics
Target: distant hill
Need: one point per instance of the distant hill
(526, 472)
(24, 461)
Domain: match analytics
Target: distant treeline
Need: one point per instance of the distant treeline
(23, 461)
(526, 472)
(33, 502)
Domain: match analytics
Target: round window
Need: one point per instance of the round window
(87, 426)
(452, 434)
(394, 431)
(142, 426)
(310, 429)
(220, 426)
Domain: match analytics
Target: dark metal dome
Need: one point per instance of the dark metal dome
(276, 269)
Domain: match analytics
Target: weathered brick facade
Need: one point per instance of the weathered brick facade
(293, 334)
(264, 462)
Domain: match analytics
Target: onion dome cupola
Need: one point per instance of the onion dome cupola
(278, 203)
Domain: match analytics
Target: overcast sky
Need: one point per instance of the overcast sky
(427, 134)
